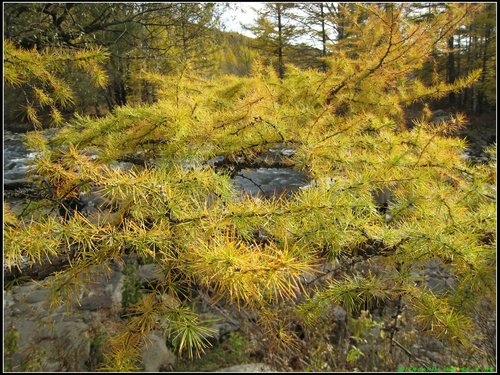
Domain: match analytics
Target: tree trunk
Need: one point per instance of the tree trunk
(474, 99)
(482, 99)
(340, 23)
(281, 65)
(120, 94)
(457, 71)
(450, 70)
(466, 99)
(323, 36)
(109, 99)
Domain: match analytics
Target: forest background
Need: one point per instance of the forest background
(163, 39)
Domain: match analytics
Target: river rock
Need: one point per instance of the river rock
(57, 339)
(155, 354)
(31, 293)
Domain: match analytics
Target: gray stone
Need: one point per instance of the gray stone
(439, 115)
(465, 155)
(216, 161)
(72, 345)
(123, 165)
(450, 282)
(382, 196)
(148, 272)
(155, 354)
(288, 152)
(48, 340)
(32, 293)
(435, 357)
(435, 345)
(249, 367)
(105, 293)
(433, 264)
(55, 346)
(437, 286)
(96, 302)
(340, 314)
(8, 299)
(24, 327)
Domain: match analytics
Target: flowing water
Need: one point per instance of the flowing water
(254, 181)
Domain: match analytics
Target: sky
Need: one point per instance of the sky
(241, 12)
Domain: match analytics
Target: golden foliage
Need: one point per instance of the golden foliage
(174, 207)
(41, 74)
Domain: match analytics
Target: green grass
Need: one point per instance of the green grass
(232, 351)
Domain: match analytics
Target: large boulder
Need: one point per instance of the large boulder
(54, 339)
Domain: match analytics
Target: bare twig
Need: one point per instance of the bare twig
(410, 354)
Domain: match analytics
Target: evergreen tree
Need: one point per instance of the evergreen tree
(476, 48)
(465, 45)
(274, 31)
(314, 21)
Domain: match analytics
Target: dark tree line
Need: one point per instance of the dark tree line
(135, 34)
